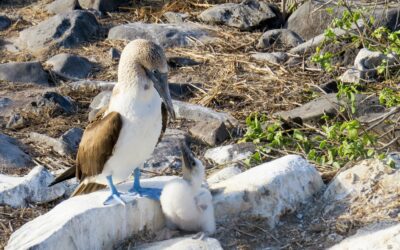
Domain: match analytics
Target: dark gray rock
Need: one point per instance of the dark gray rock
(311, 19)
(71, 139)
(11, 154)
(168, 152)
(115, 54)
(329, 104)
(61, 6)
(279, 37)
(174, 17)
(230, 153)
(16, 121)
(5, 22)
(166, 35)
(66, 30)
(101, 5)
(176, 62)
(274, 57)
(24, 72)
(70, 66)
(212, 133)
(248, 15)
(180, 91)
(55, 104)
(4, 102)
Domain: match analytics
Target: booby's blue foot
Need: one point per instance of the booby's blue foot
(152, 193)
(115, 195)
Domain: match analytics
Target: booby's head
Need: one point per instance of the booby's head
(144, 59)
(193, 169)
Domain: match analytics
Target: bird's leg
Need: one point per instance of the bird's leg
(115, 195)
(152, 193)
(200, 236)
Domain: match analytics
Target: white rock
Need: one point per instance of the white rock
(366, 59)
(224, 174)
(269, 190)
(183, 243)
(32, 188)
(352, 75)
(375, 237)
(83, 222)
(230, 153)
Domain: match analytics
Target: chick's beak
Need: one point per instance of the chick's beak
(160, 81)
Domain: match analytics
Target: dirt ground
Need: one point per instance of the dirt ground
(229, 80)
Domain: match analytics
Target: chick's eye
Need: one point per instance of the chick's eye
(193, 164)
(155, 71)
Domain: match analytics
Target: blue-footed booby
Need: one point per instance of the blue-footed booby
(125, 133)
(186, 204)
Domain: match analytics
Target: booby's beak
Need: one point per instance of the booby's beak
(160, 81)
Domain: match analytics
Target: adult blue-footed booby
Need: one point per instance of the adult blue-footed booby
(126, 132)
(185, 203)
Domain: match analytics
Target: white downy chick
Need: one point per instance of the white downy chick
(186, 204)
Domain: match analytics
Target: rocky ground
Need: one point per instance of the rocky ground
(58, 65)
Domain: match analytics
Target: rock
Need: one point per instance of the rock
(70, 66)
(55, 104)
(5, 22)
(393, 160)
(166, 35)
(92, 85)
(32, 188)
(311, 19)
(11, 154)
(65, 30)
(352, 75)
(24, 72)
(99, 101)
(108, 225)
(210, 132)
(198, 113)
(269, 190)
(247, 15)
(367, 59)
(4, 102)
(115, 54)
(176, 62)
(167, 153)
(224, 174)
(380, 235)
(279, 37)
(329, 104)
(274, 57)
(61, 6)
(16, 121)
(182, 243)
(230, 153)
(101, 5)
(180, 90)
(173, 17)
(368, 184)
(66, 145)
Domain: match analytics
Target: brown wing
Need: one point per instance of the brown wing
(164, 116)
(97, 145)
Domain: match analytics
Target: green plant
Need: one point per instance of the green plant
(350, 92)
(389, 97)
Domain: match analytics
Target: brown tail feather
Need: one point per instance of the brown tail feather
(86, 188)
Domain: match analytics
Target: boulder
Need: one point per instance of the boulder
(70, 66)
(210, 132)
(224, 174)
(269, 190)
(66, 145)
(167, 153)
(311, 19)
(166, 35)
(83, 222)
(247, 15)
(101, 5)
(380, 235)
(182, 243)
(65, 30)
(61, 6)
(176, 62)
(32, 188)
(5, 22)
(174, 17)
(274, 57)
(92, 85)
(54, 104)
(188, 111)
(11, 154)
(114, 54)
(230, 153)
(24, 72)
(279, 38)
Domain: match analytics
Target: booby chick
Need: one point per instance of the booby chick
(126, 132)
(185, 203)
